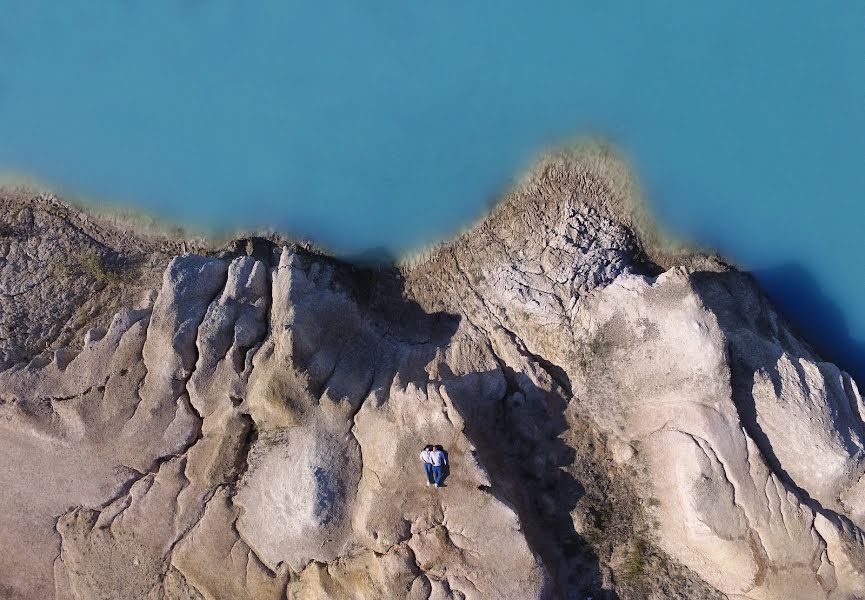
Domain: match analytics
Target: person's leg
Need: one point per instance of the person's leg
(437, 474)
(429, 472)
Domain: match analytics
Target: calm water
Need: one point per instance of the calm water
(392, 123)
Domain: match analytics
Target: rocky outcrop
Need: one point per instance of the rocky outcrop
(618, 423)
(750, 444)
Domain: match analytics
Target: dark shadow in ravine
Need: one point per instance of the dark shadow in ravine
(517, 439)
(742, 312)
(799, 297)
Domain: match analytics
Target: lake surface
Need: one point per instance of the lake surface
(391, 124)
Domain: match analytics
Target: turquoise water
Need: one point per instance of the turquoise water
(390, 124)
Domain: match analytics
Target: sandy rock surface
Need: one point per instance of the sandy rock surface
(618, 425)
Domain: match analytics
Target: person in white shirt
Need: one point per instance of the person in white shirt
(439, 461)
(427, 463)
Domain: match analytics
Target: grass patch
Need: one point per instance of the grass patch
(95, 266)
(636, 562)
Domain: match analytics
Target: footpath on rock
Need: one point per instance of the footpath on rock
(185, 422)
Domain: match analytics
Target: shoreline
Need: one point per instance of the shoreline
(588, 167)
(586, 157)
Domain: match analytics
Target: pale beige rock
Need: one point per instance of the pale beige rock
(747, 530)
(217, 564)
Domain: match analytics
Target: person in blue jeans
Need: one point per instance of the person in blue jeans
(427, 463)
(439, 460)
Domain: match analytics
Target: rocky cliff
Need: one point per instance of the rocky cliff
(246, 422)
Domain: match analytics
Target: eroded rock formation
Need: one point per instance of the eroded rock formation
(619, 424)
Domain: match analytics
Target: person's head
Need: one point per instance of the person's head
(428, 447)
(439, 448)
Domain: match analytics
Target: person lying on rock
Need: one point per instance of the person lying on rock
(439, 459)
(427, 463)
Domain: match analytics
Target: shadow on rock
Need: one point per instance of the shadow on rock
(796, 292)
(531, 468)
(742, 310)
